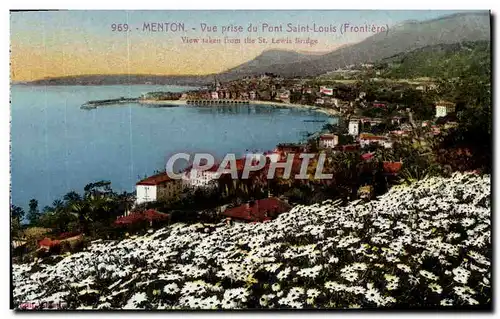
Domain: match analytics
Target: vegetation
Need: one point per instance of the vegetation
(439, 61)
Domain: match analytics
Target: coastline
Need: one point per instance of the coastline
(163, 102)
(329, 112)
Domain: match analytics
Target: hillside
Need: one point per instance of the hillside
(440, 61)
(266, 59)
(425, 245)
(403, 38)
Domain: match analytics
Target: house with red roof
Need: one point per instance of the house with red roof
(157, 187)
(48, 243)
(151, 216)
(370, 139)
(257, 211)
(392, 168)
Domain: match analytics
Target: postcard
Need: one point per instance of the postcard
(239, 159)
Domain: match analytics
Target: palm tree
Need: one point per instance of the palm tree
(80, 210)
(72, 196)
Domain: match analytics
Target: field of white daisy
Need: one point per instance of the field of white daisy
(424, 245)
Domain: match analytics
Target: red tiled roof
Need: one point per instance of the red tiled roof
(259, 211)
(367, 156)
(348, 148)
(328, 137)
(47, 242)
(371, 137)
(392, 167)
(155, 179)
(149, 215)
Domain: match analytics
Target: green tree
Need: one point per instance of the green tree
(16, 216)
(33, 213)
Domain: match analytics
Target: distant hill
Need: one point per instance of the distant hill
(114, 79)
(440, 61)
(405, 37)
(267, 59)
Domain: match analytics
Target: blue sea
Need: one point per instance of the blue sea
(57, 147)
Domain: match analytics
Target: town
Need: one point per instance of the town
(380, 139)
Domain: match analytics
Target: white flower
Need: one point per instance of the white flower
(171, 288)
(284, 273)
(373, 295)
(436, 288)
(359, 266)
(350, 276)
(264, 300)
(428, 275)
(310, 272)
(446, 302)
(461, 275)
(210, 303)
(404, 268)
(313, 293)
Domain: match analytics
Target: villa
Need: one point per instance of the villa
(257, 211)
(157, 187)
(369, 139)
(328, 140)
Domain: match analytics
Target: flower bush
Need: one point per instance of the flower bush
(424, 245)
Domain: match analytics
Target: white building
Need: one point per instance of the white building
(157, 187)
(195, 177)
(444, 108)
(369, 139)
(214, 95)
(328, 140)
(354, 127)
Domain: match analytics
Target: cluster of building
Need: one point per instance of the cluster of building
(331, 141)
(160, 187)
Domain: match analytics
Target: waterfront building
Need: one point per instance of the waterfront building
(157, 187)
(328, 140)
